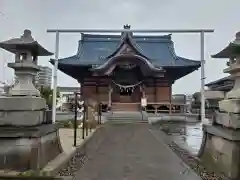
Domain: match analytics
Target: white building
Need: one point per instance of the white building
(44, 77)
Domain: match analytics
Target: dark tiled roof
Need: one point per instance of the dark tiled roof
(93, 50)
(219, 81)
(224, 84)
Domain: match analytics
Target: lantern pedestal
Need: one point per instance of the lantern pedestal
(28, 148)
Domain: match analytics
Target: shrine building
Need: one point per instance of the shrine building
(119, 71)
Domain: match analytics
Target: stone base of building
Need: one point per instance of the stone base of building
(222, 150)
(25, 148)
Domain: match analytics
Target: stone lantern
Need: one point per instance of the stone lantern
(221, 144)
(26, 137)
(26, 51)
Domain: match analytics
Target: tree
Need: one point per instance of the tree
(197, 96)
(196, 103)
(47, 94)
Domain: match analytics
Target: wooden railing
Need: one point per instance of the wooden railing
(156, 107)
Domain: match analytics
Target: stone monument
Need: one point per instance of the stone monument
(222, 138)
(26, 141)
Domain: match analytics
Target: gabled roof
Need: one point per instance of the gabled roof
(127, 38)
(127, 50)
(98, 54)
(159, 50)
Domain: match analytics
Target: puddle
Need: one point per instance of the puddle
(187, 136)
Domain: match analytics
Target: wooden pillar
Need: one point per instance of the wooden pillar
(98, 99)
(109, 96)
(81, 83)
(170, 98)
(155, 90)
(96, 88)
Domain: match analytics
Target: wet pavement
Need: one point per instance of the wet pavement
(134, 152)
(187, 136)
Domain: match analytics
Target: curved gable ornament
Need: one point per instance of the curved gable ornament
(126, 49)
(127, 65)
(127, 45)
(146, 67)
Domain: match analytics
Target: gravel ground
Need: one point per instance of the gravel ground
(195, 164)
(75, 164)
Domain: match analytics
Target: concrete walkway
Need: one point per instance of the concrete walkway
(67, 138)
(133, 152)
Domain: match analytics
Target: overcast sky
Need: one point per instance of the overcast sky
(39, 15)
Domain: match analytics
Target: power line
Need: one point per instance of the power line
(3, 14)
(13, 23)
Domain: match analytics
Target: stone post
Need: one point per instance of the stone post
(221, 148)
(26, 137)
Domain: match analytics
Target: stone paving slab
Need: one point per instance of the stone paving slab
(133, 152)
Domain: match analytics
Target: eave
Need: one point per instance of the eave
(77, 70)
(14, 46)
(72, 70)
(232, 50)
(179, 72)
(219, 81)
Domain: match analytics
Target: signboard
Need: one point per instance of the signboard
(143, 102)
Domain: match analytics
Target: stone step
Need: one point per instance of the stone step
(132, 120)
(126, 121)
(127, 116)
(125, 107)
